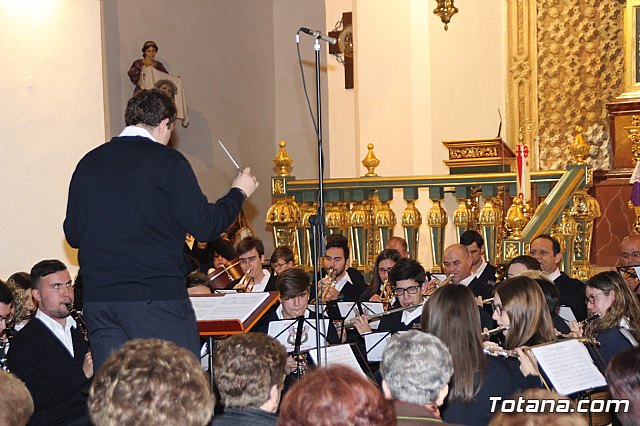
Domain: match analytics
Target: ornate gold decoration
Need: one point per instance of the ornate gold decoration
(370, 161)
(411, 221)
(472, 152)
(360, 232)
(462, 214)
(511, 250)
(334, 217)
(278, 186)
(437, 221)
(634, 137)
(384, 221)
(445, 10)
(490, 221)
(304, 235)
(282, 161)
(585, 210)
(515, 221)
(284, 217)
(579, 148)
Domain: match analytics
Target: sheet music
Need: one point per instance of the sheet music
(238, 306)
(338, 355)
(375, 344)
(285, 332)
(349, 310)
(569, 367)
(566, 314)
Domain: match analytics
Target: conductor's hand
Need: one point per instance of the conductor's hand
(246, 182)
(87, 365)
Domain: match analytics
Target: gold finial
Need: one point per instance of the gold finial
(516, 220)
(282, 161)
(370, 161)
(445, 10)
(579, 148)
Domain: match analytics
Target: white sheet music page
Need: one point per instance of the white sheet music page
(348, 310)
(238, 306)
(375, 344)
(569, 367)
(338, 355)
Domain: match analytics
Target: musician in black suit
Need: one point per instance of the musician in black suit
(480, 269)
(50, 353)
(546, 250)
(251, 256)
(348, 283)
(408, 279)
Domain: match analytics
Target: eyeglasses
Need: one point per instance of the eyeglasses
(634, 255)
(592, 298)
(248, 260)
(497, 308)
(411, 290)
(8, 319)
(278, 266)
(384, 270)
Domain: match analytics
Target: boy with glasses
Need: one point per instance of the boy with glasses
(251, 254)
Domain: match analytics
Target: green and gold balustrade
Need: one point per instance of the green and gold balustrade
(360, 209)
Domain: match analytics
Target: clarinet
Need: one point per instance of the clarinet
(80, 321)
(4, 343)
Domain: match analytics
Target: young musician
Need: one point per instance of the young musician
(282, 259)
(384, 262)
(346, 284)
(619, 323)
(451, 314)
(251, 253)
(408, 279)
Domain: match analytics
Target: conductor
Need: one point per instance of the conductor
(131, 202)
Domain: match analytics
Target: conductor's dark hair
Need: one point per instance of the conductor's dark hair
(339, 241)
(44, 268)
(555, 243)
(249, 243)
(407, 269)
(470, 236)
(149, 108)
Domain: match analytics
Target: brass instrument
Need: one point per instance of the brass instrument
(79, 320)
(325, 287)
(489, 333)
(443, 283)
(386, 293)
(350, 324)
(487, 301)
(246, 283)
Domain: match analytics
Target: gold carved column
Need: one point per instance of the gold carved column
(437, 221)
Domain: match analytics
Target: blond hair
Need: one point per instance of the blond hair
(16, 404)
(151, 382)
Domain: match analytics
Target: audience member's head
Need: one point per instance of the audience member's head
(416, 367)
(151, 382)
(399, 244)
(16, 405)
(52, 288)
(546, 249)
(546, 416)
(457, 262)
(282, 259)
(249, 371)
(335, 396)
(474, 243)
(198, 283)
(23, 302)
(6, 308)
(623, 378)
(522, 263)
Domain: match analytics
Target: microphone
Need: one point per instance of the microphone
(319, 35)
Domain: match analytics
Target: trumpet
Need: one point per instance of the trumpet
(443, 283)
(246, 283)
(351, 324)
(325, 287)
(386, 294)
(501, 329)
(487, 301)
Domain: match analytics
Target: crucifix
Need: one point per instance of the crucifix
(343, 49)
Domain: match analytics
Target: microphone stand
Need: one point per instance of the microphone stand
(317, 220)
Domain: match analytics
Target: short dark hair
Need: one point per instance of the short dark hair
(282, 252)
(470, 236)
(197, 278)
(44, 268)
(555, 243)
(249, 243)
(6, 295)
(292, 282)
(149, 108)
(530, 262)
(339, 241)
(407, 269)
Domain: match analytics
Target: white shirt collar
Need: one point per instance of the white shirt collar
(62, 333)
(262, 285)
(137, 131)
(555, 274)
(346, 278)
(467, 280)
(407, 316)
(480, 269)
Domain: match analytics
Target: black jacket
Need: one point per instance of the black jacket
(244, 417)
(54, 378)
(572, 295)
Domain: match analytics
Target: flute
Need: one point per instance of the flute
(501, 352)
(496, 330)
(375, 317)
(595, 315)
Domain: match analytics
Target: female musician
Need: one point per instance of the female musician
(617, 327)
(519, 303)
(384, 262)
(519, 264)
(452, 315)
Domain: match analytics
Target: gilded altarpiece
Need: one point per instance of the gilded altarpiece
(565, 62)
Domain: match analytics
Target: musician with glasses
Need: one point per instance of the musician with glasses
(282, 259)
(385, 261)
(629, 257)
(251, 254)
(618, 324)
(408, 280)
(50, 354)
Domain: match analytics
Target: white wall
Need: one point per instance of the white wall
(52, 114)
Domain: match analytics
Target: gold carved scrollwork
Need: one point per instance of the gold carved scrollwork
(472, 152)
(284, 212)
(516, 220)
(462, 214)
(334, 217)
(585, 210)
(511, 250)
(411, 217)
(385, 217)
